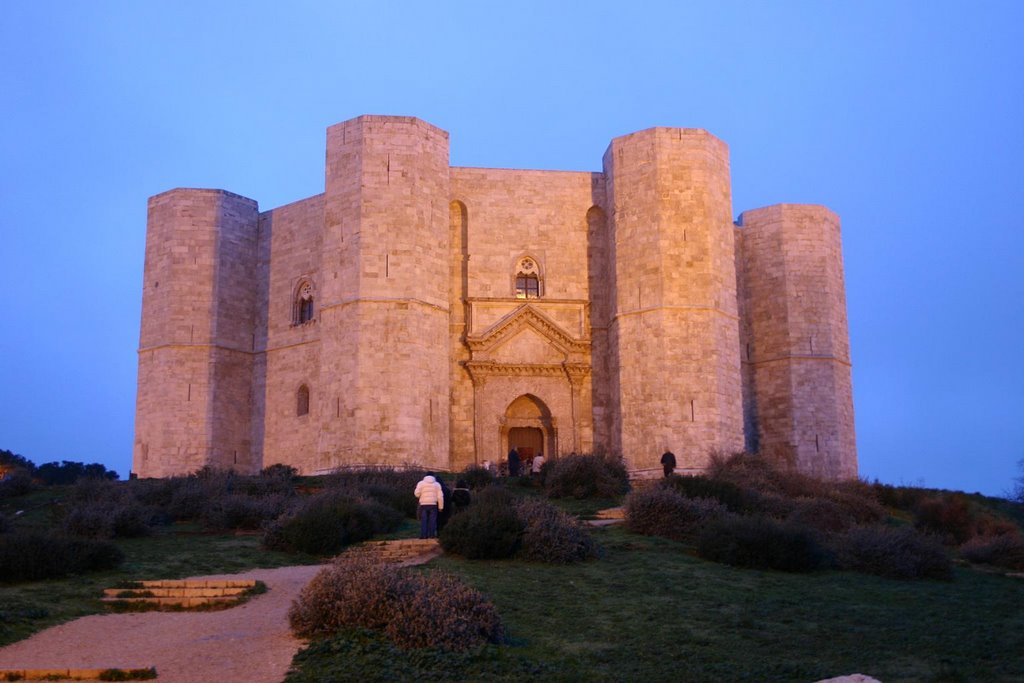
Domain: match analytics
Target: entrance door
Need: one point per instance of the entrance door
(527, 440)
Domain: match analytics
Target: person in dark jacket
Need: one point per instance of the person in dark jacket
(668, 462)
(460, 497)
(513, 462)
(445, 513)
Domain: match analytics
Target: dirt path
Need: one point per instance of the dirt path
(249, 643)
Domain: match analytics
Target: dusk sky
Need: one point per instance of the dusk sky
(906, 118)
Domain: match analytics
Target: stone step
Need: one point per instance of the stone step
(197, 583)
(67, 674)
(172, 602)
(173, 592)
(397, 551)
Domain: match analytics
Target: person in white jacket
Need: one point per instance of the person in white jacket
(431, 498)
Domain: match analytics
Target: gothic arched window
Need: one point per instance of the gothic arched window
(302, 401)
(527, 281)
(304, 311)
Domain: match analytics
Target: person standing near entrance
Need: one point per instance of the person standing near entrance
(431, 499)
(668, 462)
(538, 462)
(513, 462)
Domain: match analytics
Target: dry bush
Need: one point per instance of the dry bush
(550, 535)
(384, 484)
(858, 502)
(898, 497)
(949, 517)
(235, 511)
(327, 522)
(1004, 550)
(489, 528)
(413, 610)
(821, 514)
(34, 556)
(664, 512)
(16, 483)
(477, 477)
(762, 543)
(585, 476)
(730, 495)
(894, 552)
(114, 519)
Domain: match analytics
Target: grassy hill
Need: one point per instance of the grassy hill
(649, 609)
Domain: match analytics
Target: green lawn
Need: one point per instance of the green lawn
(650, 611)
(171, 553)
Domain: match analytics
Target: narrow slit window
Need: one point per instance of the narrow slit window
(302, 401)
(304, 310)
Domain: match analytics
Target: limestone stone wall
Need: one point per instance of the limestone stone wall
(796, 341)
(290, 257)
(659, 324)
(386, 277)
(194, 403)
(674, 334)
(507, 216)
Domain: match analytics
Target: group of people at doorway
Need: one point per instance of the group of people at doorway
(432, 494)
(515, 466)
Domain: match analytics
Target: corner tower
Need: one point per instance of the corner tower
(796, 346)
(385, 267)
(674, 335)
(194, 402)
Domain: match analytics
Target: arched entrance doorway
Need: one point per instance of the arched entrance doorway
(529, 428)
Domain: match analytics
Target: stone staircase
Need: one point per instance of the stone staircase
(184, 593)
(408, 551)
(608, 516)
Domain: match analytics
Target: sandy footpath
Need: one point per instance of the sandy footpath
(250, 643)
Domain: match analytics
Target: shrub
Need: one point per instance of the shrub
(728, 494)
(414, 610)
(34, 556)
(664, 512)
(188, 500)
(761, 543)
(107, 520)
(899, 553)
(328, 522)
(551, 535)
(280, 470)
(477, 477)
(951, 517)
(858, 503)
(487, 529)
(1006, 550)
(586, 476)
(898, 497)
(235, 511)
(386, 485)
(821, 514)
(16, 483)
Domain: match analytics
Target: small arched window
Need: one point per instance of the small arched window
(304, 311)
(302, 401)
(527, 279)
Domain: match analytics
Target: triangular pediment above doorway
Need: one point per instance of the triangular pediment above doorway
(524, 334)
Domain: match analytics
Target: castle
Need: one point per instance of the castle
(416, 313)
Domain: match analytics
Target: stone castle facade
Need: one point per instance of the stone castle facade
(419, 313)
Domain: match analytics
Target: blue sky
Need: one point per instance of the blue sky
(906, 118)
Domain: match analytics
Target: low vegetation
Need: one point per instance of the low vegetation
(650, 591)
(413, 610)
